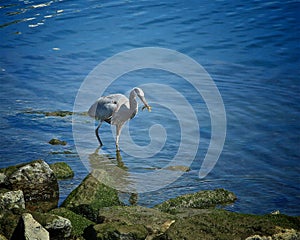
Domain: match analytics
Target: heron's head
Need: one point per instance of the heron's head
(139, 92)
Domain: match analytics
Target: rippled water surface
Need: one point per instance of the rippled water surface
(249, 48)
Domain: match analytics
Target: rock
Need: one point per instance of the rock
(58, 113)
(79, 223)
(221, 224)
(116, 231)
(2, 178)
(202, 199)
(284, 234)
(257, 237)
(2, 237)
(55, 141)
(57, 226)
(38, 183)
(132, 221)
(62, 170)
(12, 199)
(178, 168)
(90, 196)
(29, 229)
(8, 221)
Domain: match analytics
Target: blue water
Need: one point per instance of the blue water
(249, 48)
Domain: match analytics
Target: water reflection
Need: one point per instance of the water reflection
(26, 11)
(112, 171)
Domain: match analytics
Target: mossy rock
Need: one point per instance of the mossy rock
(116, 231)
(79, 223)
(37, 182)
(221, 224)
(178, 168)
(8, 221)
(62, 170)
(58, 113)
(155, 221)
(90, 196)
(202, 199)
(2, 237)
(55, 141)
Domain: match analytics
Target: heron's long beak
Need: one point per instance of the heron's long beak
(145, 104)
(148, 108)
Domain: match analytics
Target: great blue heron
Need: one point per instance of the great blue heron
(116, 109)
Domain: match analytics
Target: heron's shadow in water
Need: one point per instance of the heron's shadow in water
(103, 160)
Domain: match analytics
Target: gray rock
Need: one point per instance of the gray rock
(12, 199)
(38, 183)
(79, 223)
(59, 228)
(30, 229)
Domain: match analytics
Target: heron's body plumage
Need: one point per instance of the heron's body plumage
(116, 109)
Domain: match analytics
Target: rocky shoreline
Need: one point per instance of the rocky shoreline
(29, 195)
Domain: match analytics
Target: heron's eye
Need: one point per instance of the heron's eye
(115, 102)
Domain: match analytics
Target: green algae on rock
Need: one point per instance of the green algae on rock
(62, 170)
(201, 199)
(222, 224)
(132, 222)
(90, 196)
(116, 230)
(8, 221)
(79, 223)
(55, 141)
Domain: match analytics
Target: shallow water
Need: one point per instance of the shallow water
(250, 49)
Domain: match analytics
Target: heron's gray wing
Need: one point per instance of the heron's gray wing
(104, 107)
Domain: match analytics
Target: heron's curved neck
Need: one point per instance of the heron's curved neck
(132, 101)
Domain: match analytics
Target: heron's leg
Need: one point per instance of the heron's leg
(118, 132)
(97, 134)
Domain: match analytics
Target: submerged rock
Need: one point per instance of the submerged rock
(37, 182)
(58, 113)
(202, 199)
(55, 141)
(90, 196)
(11, 200)
(62, 170)
(178, 168)
(29, 229)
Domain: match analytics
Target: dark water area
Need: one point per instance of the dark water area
(249, 48)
